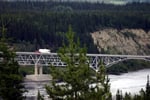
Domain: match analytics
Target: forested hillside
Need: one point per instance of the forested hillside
(34, 25)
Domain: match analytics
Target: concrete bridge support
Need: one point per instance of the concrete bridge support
(35, 69)
(38, 70)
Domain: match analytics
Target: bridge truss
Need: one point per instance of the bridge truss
(43, 59)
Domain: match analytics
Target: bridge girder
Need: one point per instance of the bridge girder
(32, 58)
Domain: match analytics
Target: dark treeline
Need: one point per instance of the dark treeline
(34, 25)
(78, 6)
(129, 65)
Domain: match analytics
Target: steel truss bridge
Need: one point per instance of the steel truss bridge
(47, 59)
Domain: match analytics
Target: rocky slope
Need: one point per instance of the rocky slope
(126, 41)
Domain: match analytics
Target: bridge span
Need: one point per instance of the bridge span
(47, 59)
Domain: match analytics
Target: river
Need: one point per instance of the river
(128, 82)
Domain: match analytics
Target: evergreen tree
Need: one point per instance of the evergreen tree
(119, 95)
(148, 89)
(141, 96)
(127, 96)
(39, 96)
(11, 87)
(76, 75)
(102, 89)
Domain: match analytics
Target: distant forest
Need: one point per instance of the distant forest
(34, 25)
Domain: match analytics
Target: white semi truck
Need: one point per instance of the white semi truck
(44, 50)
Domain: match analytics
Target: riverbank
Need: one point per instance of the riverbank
(128, 66)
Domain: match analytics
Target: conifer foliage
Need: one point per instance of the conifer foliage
(76, 79)
(11, 87)
(148, 89)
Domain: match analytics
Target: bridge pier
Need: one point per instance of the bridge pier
(38, 70)
(35, 69)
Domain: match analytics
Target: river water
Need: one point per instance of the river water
(129, 82)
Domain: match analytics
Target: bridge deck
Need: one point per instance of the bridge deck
(46, 59)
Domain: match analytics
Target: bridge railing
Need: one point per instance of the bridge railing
(47, 59)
